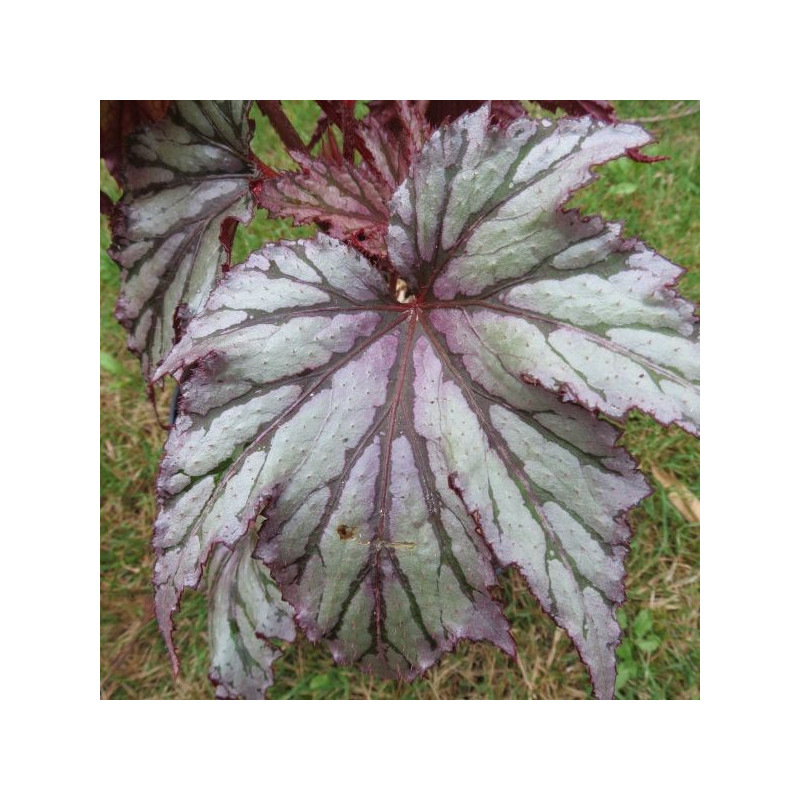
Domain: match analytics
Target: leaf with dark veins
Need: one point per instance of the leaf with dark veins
(245, 611)
(120, 118)
(524, 294)
(186, 179)
(303, 362)
(601, 110)
(561, 301)
(391, 142)
(349, 201)
(399, 452)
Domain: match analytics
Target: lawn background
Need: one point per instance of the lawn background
(660, 656)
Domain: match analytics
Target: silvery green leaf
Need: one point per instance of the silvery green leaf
(299, 406)
(186, 183)
(245, 612)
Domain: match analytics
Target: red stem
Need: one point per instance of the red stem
(283, 126)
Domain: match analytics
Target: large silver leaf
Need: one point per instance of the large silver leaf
(400, 452)
(186, 180)
(306, 366)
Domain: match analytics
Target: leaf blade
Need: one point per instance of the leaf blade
(245, 611)
(310, 473)
(186, 179)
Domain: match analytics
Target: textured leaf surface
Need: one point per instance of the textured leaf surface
(120, 118)
(312, 372)
(186, 179)
(351, 201)
(348, 200)
(601, 110)
(245, 612)
(400, 452)
(578, 309)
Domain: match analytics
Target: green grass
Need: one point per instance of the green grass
(661, 656)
